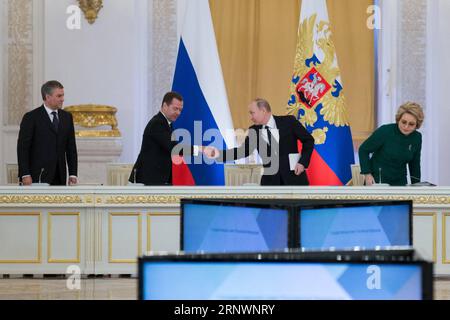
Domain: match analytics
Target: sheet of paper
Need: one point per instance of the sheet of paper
(293, 160)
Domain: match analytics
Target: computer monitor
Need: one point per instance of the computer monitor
(222, 226)
(279, 278)
(360, 225)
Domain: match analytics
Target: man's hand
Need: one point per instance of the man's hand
(299, 169)
(27, 181)
(72, 181)
(211, 152)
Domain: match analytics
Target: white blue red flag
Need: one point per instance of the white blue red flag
(317, 98)
(198, 78)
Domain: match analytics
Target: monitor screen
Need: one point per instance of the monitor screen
(215, 227)
(366, 226)
(275, 280)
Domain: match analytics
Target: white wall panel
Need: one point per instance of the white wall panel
(63, 237)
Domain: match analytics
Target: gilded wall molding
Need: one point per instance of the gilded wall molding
(100, 200)
(176, 199)
(19, 95)
(38, 199)
(425, 199)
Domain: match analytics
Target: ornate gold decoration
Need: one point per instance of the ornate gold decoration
(142, 199)
(428, 199)
(31, 199)
(152, 199)
(90, 9)
(168, 199)
(333, 110)
(176, 199)
(92, 116)
(320, 135)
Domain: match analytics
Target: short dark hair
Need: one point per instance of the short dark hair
(169, 96)
(263, 104)
(48, 87)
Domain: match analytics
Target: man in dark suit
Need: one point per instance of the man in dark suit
(275, 138)
(46, 143)
(154, 163)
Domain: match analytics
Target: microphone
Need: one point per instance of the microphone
(134, 175)
(379, 175)
(40, 175)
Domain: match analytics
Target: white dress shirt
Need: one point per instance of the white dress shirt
(273, 130)
(49, 112)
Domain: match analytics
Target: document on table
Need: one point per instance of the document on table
(293, 160)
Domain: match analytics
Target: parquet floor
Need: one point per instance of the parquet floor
(109, 289)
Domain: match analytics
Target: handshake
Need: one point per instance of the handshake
(210, 152)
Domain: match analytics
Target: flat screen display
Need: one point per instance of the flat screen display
(231, 228)
(288, 280)
(363, 226)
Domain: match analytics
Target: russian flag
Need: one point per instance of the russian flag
(317, 98)
(198, 78)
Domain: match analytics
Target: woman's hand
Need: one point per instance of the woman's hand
(368, 179)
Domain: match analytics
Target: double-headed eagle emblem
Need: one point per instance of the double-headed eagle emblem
(315, 85)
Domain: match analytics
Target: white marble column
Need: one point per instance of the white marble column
(405, 53)
(163, 50)
(17, 34)
(2, 84)
(438, 109)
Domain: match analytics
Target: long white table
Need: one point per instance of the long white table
(101, 230)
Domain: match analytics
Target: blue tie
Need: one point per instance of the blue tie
(55, 120)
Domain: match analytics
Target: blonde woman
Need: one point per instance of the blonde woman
(386, 153)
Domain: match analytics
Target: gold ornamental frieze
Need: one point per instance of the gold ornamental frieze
(420, 199)
(99, 200)
(142, 199)
(130, 200)
(38, 199)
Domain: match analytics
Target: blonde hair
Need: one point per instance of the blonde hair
(413, 109)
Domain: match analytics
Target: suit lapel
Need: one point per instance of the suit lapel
(281, 128)
(61, 121)
(163, 118)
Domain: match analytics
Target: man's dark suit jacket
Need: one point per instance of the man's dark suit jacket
(290, 131)
(154, 163)
(40, 146)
